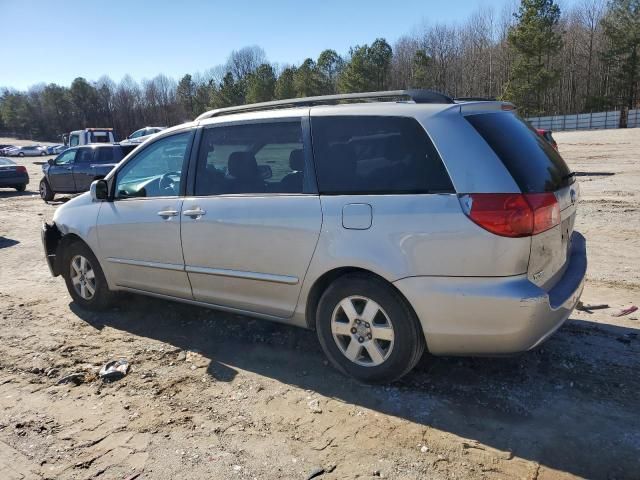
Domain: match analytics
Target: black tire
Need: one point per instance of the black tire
(43, 153)
(102, 297)
(45, 191)
(21, 188)
(408, 338)
(21, 154)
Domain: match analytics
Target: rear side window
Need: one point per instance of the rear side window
(84, 155)
(532, 162)
(108, 155)
(376, 155)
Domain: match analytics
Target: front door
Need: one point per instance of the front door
(60, 174)
(139, 231)
(249, 232)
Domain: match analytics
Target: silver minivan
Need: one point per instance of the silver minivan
(405, 221)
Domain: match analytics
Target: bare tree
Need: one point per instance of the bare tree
(245, 61)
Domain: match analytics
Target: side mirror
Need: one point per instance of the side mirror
(99, 190)
(265, 171)
(51, 161)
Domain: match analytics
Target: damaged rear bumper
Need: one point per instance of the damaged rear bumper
(494, 316)
(50, 239)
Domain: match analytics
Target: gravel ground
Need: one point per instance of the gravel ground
(213, 395)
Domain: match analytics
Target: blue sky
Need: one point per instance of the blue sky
(56, 41)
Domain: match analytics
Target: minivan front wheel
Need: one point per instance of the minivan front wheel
(85, 280)
(367, 330)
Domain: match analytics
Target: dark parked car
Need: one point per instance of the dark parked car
(12, 175)
(73, 170)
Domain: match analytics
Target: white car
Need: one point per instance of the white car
(28, 151)
(141, 135)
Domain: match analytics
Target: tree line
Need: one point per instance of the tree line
(545, 60)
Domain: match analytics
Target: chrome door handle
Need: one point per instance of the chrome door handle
(167, 213)
(194, 213)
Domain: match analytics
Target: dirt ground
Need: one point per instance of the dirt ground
(213, 395)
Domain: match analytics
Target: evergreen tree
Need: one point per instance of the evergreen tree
(307, 80)
(261, 84)
(367, 68)
(330, 65)
(622, 29)
(185, 93)
(229, 93)
(285, 87)
(420, 77)
(534, 41)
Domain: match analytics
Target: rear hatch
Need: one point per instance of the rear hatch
(536, 167)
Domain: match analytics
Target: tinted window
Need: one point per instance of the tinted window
(84, 155)
(251, 158)
(108, 155)
(156, 171)
(530, 159)
(6, 161)
(376, 155)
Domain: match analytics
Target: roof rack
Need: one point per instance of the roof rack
(418, 96)
(475, 99)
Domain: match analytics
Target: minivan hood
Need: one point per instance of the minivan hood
(79, 201)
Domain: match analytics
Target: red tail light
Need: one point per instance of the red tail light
(512, 214)
(21, 169)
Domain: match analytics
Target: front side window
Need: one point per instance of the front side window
(66, 158)
(137, 134)
(376, 155)
(156, 171)
(252, 158)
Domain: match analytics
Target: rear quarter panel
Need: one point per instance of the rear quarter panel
(412, 235)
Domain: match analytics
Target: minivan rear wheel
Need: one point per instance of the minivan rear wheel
(367, 330)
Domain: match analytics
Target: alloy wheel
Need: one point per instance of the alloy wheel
(83, 277)
(362, 331)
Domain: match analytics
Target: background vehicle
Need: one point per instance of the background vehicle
(74, 169)
(54, 149)
(386, 226)
(59, 149)
(141, 135)
(89, 135)
(12, 175)
(547, 135)
(27, 151)
(4, 147)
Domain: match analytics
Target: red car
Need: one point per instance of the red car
(546, 134)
